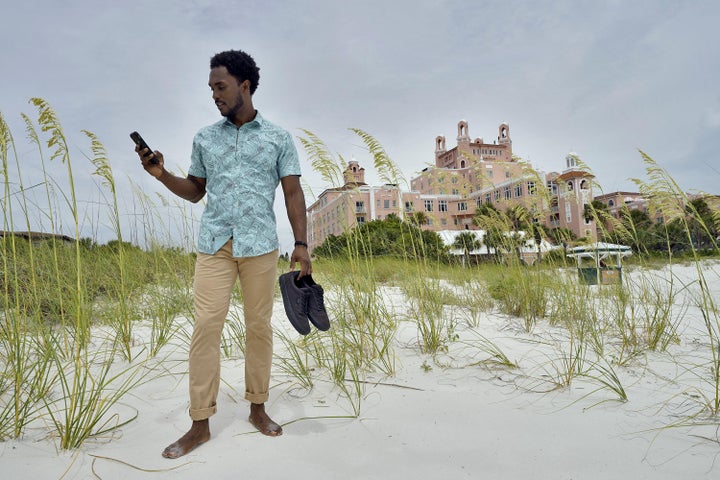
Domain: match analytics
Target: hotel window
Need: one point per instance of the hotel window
(518, 190)
(409, 206)
(428, 205)
(442, 206)
(531, 188)
(487, 198)
(497, 195)
(462, 206)
(386, 204)
(359, 207)
(507, 193)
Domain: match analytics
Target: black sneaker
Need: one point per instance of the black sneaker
(296, 301)
(316, 303)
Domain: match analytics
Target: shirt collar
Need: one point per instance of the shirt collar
(257, 121)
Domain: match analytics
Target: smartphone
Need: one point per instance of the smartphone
(142, 144)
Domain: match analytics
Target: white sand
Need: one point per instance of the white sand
(461, 421)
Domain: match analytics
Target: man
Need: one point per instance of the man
(238, 162)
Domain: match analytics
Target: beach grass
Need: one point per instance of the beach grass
(70, 354)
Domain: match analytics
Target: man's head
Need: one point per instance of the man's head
(233, 79)
(240, 65)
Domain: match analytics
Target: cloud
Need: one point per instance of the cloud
(600, 78)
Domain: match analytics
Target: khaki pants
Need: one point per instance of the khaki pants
(215, 277)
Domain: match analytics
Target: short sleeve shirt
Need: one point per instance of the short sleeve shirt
(242, 168)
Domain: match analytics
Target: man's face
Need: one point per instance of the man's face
(229, 94)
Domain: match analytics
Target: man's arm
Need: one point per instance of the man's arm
(295, 206)
(190, 188)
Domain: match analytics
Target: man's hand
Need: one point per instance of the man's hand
(300, 254)
(154, 169)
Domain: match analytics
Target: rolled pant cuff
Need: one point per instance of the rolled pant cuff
(257, 397)
(202, 413)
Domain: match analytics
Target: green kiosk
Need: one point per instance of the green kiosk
(600, 263)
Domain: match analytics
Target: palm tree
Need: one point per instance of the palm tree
(418, 218)
(702, 223)
(494, 239)
(519, 217)
(490, 219)
(485, 210)
(466, 241)
(519, 220)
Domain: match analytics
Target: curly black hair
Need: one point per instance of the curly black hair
(240, 65)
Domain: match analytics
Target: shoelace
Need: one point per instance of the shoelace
(318, 291)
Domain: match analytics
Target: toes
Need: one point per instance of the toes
(266, 427)
(172, 452)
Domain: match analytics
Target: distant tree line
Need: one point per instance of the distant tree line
(396, 237)
(388, 237)
(697, 229)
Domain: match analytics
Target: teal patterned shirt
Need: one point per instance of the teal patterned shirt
(242, 167)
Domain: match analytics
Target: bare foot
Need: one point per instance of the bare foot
(262, 421)
(198, 434)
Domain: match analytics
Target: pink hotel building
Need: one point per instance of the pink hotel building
(463, 178)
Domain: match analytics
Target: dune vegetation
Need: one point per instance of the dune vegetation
(82, 325)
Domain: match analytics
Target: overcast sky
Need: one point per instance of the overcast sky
(600, 78)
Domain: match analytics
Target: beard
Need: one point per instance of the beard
(234, 111)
